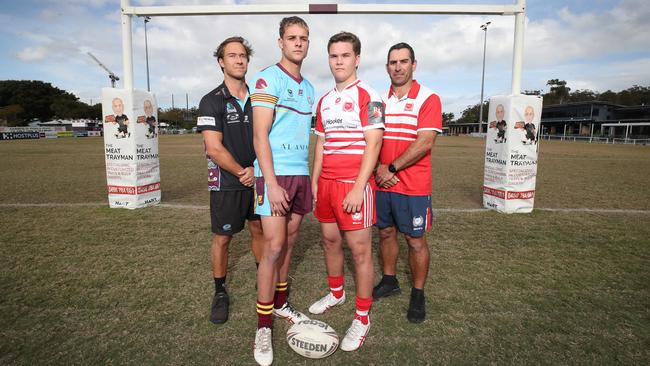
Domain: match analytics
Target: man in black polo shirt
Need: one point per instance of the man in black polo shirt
(225, 121)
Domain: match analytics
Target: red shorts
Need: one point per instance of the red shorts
(329, 205)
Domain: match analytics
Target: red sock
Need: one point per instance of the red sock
(280, 297)
(264, 314)
(363, 308)
(336, 285)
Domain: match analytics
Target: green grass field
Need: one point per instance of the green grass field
(84, 284)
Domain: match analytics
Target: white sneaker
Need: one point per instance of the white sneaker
(263, 347)
(355, 336)
(325, 303)
(290, 314)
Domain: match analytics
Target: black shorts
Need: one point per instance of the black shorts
(230, 209)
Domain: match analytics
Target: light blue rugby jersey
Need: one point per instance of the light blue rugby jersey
(292, 100)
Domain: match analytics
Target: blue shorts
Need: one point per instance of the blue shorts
(411, 214)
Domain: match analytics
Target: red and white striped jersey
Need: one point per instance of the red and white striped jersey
(342, 117)
(419, 110)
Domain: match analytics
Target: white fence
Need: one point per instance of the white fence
(597, 139)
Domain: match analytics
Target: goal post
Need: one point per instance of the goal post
(132, 164)
(518, 10)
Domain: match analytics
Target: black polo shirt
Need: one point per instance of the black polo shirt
(220, 111)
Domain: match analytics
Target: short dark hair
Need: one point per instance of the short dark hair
(401, 46)
(294, 20)
(346, 37)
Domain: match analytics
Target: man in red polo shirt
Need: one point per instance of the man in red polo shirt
(413, 119)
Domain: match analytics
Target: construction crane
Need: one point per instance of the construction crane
(111, 75)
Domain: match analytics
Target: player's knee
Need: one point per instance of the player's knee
(361, 255)
(331, 244)
(273, 252)
(387, 233)
(417, 245)
(221, 241)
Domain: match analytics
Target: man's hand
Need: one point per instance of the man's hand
(391, 182)
(278, 199)
(246, 176)
(353, 200)
(385, 178)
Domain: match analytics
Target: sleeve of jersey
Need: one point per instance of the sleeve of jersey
(266, 90)
(371, 110)
(319, 129)
(430, 117)
(209, 119)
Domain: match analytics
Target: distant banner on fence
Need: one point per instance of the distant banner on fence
(511, 153)
(131, 148)
(20, 135)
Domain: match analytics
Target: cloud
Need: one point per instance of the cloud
(30, 54)
(597, 49)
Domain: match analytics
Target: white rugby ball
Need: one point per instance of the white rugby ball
(312, 339)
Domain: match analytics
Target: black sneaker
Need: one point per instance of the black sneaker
(385, 288)
(220, 303)
(416, 312)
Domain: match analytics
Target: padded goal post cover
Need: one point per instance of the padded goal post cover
(511, 153)
(130, 119)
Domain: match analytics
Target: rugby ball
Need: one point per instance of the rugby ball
(312, 339)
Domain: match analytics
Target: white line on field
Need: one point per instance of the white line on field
(448, 209)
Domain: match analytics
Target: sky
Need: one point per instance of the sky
(592, 44)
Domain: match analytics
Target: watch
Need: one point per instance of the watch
(391, 168)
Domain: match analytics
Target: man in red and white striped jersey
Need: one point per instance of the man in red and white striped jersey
(349, 125)
(413, 119)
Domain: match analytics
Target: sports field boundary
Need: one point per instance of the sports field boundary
(446, 209)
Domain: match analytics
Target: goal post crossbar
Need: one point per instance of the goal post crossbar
(518, 10)
(424, 9)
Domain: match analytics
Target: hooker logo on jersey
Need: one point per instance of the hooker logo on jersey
(408, 107)
(261, 84)
(348, 107)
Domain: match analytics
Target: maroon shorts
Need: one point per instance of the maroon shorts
(298, 188)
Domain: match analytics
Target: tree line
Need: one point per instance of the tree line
(560, 93)
(22, 101)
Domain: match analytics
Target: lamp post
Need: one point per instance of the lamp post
(146, 49)
(484, 27)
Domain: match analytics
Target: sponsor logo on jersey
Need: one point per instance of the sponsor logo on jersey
(417, 221)
(232, 117)
(299, 92)
(246, 118)
(348, 106)
(338, 100)
(205, 121)
(261, 84)
(408, 107)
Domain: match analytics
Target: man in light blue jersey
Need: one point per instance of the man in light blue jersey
(282, 110)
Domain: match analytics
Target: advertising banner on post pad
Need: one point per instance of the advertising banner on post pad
(511, 149)
(131, 148)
